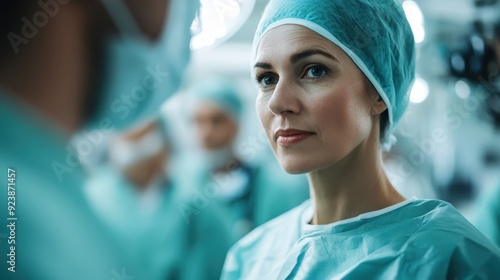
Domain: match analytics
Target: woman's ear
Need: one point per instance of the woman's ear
(378, 105)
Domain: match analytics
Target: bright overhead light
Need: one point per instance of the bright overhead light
(218, 20)
(419, 91)
(418, 33)
(415, 19)
(462, 89)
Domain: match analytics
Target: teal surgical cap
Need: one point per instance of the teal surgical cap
(374, 33)
(221, 92)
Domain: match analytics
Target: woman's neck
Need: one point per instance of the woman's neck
(355, 185)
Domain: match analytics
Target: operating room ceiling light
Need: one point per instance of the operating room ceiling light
(419, 91)
(462, 89)
(416, 20)
(218, 20)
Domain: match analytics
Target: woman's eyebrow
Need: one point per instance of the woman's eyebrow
(263, 65)
(301, 55)
(297, 57)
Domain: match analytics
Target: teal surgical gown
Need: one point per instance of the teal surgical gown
(56, 234)
(166, 242)
(487, 216)
(415, 239)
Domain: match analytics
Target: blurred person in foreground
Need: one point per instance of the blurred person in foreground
(65, 66)
(137, 195)
(251, 193)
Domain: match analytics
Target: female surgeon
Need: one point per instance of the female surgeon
(334, 78)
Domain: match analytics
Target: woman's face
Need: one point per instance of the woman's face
(313, 101)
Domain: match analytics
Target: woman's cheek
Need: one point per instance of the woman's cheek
(262, 108)
(330, 107)
(265, 117)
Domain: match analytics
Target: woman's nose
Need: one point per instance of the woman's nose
(285, 99)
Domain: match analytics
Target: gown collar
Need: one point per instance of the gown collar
(308, 213)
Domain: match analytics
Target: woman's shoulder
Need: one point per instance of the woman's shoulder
(270, 238)
(442, 221)
(446, 238)
(438, 215)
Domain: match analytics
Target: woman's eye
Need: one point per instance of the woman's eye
(315, 72)
(267, 80)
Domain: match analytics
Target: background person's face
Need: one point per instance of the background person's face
(309, 84)
(215, 128)
(142, 171)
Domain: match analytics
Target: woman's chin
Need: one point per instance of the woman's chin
(295, 167)
(303, 164)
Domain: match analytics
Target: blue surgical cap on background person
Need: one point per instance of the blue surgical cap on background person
(221, 92)
(374, 33)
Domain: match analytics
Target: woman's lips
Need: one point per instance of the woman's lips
(291, 137)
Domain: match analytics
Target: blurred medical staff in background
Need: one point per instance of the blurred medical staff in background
(138, 196)
(251, 193)
(66, 65)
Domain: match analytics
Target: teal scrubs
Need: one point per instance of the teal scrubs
(166, 242)
(267, 192)
(415, 239)
(487, 216)
(57, 236)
